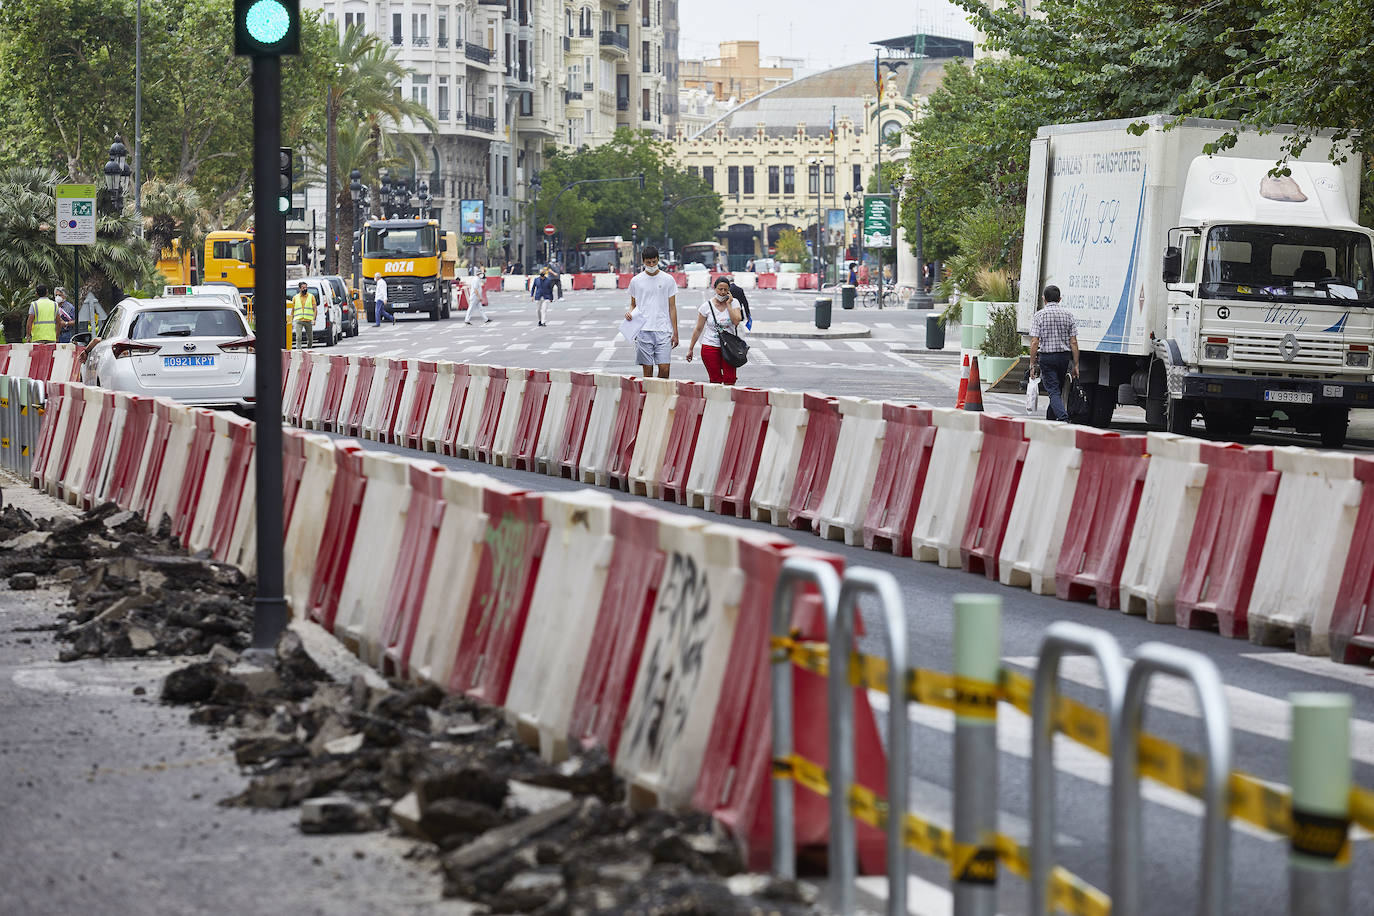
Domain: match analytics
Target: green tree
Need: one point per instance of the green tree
(362, 73)
(30, 255)
(613, 207)
(171, 210)
(791, 249)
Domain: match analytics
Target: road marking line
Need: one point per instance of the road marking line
(1250, 711)
(561, 345)
(1324, 667)
(858, 346)
(817, 344)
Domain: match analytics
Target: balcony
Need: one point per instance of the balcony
(588, 87)
(420, 41)
(443, 41)
(476, 52)
(571, 96)
(397, 40)
(622, 104)
(477, 122)
(615, 40)
(583, 32)
(443, 114)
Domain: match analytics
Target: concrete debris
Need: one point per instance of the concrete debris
(23, 582)
(509, 832)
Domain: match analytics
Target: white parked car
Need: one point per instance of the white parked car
(328, 327)
(195, 349)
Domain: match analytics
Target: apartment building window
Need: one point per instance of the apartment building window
(443, 28)
(732, 179)
(396, 28)
(708, 175)
(813, 179)
(419, 90)
(858, 178)
(505, 179)
(829, 179)
(567, 22)
(419, 29)
(789, 179)
(585, 22)
(358, 19)
(773, 179)
(644, 13)
(644, 58)
(693, 171)
(646, 106)
(526, 104)
(443, 98)
(748, 179)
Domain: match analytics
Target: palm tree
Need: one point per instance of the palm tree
(365, 77)
(171, 210)
(30, 255)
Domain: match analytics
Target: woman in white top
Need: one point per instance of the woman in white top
(723, 312)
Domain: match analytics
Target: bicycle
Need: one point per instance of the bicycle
(867, 295)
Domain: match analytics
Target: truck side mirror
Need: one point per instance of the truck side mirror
(1173, 264)
(443, 244)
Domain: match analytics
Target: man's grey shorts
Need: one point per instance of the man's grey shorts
(654, 348)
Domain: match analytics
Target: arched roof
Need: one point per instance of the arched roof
(810, 99)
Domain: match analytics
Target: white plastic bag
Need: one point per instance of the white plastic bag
(1033, 396)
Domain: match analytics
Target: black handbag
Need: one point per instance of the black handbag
(733, 349)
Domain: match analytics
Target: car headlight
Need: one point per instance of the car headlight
(429, 287)
(1214, 351)
(369, 286)
(1358, 359)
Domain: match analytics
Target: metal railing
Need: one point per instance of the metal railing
(1315, 816)
(476, 52)
(22, 404)
(611, 39)
(443, 114)
(420, 41)
(622, 104)
(477, 122)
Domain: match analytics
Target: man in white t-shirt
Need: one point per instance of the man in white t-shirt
(654, 295)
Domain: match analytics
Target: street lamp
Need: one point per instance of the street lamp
(814, 163)
(116, 172)
(384, 198)
(425, 199)
(355, 190)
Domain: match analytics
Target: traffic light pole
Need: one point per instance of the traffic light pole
(269, 607)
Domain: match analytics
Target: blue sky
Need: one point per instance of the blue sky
(815, 30)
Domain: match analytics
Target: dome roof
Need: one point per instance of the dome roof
(810, 99)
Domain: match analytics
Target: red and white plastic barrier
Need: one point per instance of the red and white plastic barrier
(779, 457)
(710, 445)
(844, 507)
(655, 427)
(943, 512)
(1163, 527)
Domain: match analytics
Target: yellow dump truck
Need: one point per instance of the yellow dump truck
(229, 259)
(408, 253)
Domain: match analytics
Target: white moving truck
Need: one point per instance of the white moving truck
(1202, 285)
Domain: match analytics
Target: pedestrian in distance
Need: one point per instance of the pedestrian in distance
(853, 274)
(541, 291)
(477, 295)
(42, 325)
(380, 300)
(1054, 350)
(303, 316)
(66, 316)
(653, 294)
(743, 301)
(556, 273)
(720, 311)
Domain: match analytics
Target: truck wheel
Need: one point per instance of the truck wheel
(1335, 424)
(434, 312)
(1179, 418)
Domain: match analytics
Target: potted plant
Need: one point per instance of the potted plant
(1002, 346)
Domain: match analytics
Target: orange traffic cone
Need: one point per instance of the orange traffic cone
(973, 399)
(963, 385)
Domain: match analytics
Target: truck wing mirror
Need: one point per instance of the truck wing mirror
(443, 244)
(1173, 264)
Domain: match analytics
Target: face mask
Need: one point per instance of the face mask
(722, 297)
(651, 268)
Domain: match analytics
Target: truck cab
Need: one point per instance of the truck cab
(1270, 299)
(407, 253)
(229, 259)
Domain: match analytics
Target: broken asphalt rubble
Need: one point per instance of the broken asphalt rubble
(509, 831)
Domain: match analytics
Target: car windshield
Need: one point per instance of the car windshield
(383, 242)
(1287, 262)
(187, 322)
(291, 292)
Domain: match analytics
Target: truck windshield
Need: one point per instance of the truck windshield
(597, 260)
(1290, 262)
(382, 242)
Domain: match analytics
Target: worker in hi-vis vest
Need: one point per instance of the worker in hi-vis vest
(303, 316)
(42, 325)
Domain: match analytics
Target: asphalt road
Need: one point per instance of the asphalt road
(581, 335)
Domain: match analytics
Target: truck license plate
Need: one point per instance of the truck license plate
(1289, 397)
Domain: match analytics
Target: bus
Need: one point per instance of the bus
(407, 253)
(604, 254)
(710, 255)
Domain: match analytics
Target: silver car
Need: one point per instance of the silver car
(198, 350)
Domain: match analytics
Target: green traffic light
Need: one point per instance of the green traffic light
(268, 21)
(283, 205)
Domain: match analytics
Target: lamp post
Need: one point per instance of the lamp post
(814, 168)
(384, 198)
(355, 191)
(424, 199)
